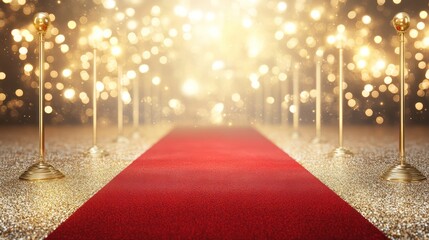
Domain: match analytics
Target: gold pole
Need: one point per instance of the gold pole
(318, 138)
(136, 109)
(340, 151)
(151, 102)
(120, 106)
(402, 100)
(318, 99)
(296, 101)
(120, 138)
(403, 172)
(41, 103)
(340, 97)
(95, 151)
(94, 99)
(41, 170)
(286, 99)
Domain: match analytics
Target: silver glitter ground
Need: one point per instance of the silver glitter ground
(31, 210)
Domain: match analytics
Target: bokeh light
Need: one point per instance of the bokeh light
(214, 61)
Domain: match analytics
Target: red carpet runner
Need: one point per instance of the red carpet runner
(215, 183)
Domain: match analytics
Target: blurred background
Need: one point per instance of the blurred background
(213, 61)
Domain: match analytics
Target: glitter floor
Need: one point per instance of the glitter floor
(400, 210)
(30, 210)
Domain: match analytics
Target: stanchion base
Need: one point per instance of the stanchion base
(403, 173)
(41, 171)
(122, 140)
(340, 152)
(96, 152)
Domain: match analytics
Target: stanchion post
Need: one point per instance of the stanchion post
(340, 151)
(95, 151)
(41, 170)
(403, 172)
(136, 109)
(319, 59)
(296, 100)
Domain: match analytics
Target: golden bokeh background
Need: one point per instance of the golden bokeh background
(213, 61)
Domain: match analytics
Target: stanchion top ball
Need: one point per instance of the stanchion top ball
(401, 22)
(41, 21)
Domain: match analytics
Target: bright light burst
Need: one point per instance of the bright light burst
(239, 53)
(190, 87)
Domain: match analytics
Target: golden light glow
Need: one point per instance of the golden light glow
(96, 37)
(69, 93)
(289, 28)
(366, 19)
(126, 97)
(19, 92)
(99, 86)
(331, 39)
(419, 106)
(157, 80)
(48, 109)
(239, 57)
(72, 25)
(216, 115)
(67, 73)
(316, 14)
(116, 51)
(144, 68)
(131, 74)
(2, 76)
(281, 6)
(190, 87)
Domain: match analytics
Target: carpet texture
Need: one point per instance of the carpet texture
(215, 183)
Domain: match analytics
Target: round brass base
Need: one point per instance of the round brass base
(403, 173)
(96, 152)
(41, 171)
(340, 152)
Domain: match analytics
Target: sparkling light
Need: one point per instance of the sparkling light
(109, 4)
(316, 14)
(2, 76)
(190, 87)
(116, 50)
(48, 109)
(220, 47)
(69, 93)
(157, 80)
(419, 106)
(67, 72)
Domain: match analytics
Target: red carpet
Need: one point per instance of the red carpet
(215, 183)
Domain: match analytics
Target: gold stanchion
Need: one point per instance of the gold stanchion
(340, 151)
(117, 51)
(136, 109)
(296, 101)
(403, 172)
(95, 151)
(318, 138)
(121, 138)
(41, 170)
